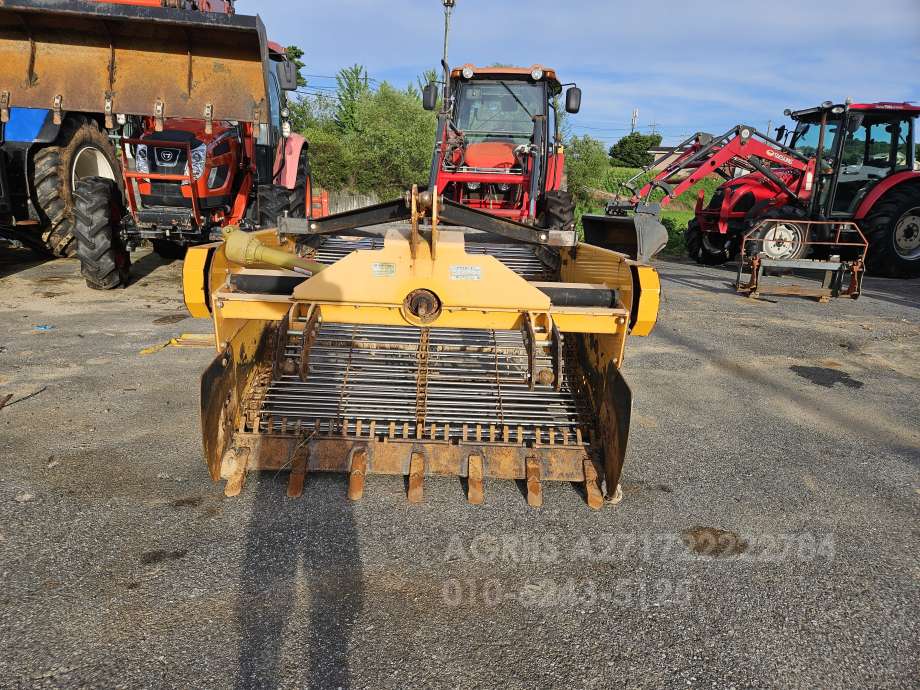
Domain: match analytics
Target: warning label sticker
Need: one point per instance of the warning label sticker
(383, 270)
(465, 273)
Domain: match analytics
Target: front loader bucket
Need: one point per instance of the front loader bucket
(67, 55)
(641, 236)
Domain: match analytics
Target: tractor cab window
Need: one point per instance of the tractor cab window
(807, 134)
(491, 110)
(875, 147)
(270, 133)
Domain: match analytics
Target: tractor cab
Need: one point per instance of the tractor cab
(499, 147)
(859, 146)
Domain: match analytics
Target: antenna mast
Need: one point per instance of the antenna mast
(448, 11)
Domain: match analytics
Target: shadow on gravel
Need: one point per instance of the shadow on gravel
(891, 434)
(298, 554)
(146, 265)
(900, 292)
(13, 261)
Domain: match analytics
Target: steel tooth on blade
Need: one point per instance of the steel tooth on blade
(534, 487)
(298, 471)
(592, 486)
(417, 478)
(236, 461)
(356, 475)
(474, 493)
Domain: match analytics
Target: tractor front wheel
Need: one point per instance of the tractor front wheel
(81, 151)
(782, 240)
(702, 248)
(104, 261)
(558, 210)
(893, 231)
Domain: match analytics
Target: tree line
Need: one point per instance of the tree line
(376, 138)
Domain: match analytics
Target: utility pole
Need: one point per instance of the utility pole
(448, 11)
(635, 120)
(654, 127)
(770, 128)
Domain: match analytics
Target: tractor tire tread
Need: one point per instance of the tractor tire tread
(52, 195)
(103, 260)
(878, 228)
(558, 210)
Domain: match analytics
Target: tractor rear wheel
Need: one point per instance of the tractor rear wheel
(297, 197)
(784, 240)
(558, 210)
(701, 248)
(893, 231)
(81, 150)
(274, 200)
(104, 261)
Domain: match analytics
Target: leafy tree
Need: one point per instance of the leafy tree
(632, 150)
(352, 88)
(390, 141)
(586, 163)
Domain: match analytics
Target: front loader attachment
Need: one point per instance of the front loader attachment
(421, 352)
(640, 236)
(108, 58)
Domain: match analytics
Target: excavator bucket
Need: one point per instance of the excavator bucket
(640, 236)
(419, 352)
(113, 58)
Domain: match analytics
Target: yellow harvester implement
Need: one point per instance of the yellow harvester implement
(421, 350)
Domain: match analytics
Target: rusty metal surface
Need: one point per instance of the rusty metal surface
(841, 277)
(105, 58)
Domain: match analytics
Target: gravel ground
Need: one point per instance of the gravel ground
(768, 536)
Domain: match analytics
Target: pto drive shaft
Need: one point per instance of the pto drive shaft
(245, 249)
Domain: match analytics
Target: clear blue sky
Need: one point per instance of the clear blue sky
(687, 65)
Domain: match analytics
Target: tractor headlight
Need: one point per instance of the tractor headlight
(199, 155)
(472, 186)
(537, 74)
(468, 72)
(141, 163)
(504, 187)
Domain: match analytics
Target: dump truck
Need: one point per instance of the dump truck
(202, 139)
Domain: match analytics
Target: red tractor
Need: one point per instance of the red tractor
(841, 162)
(186, 179)
(499, 147)
(191, 93)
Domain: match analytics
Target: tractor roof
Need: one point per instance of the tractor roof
(879, 107)
(515, 73)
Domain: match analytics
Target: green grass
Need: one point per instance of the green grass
(676, 223)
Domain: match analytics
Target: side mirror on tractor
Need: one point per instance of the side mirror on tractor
(573, 100)
(430, 96)
(287, 75)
